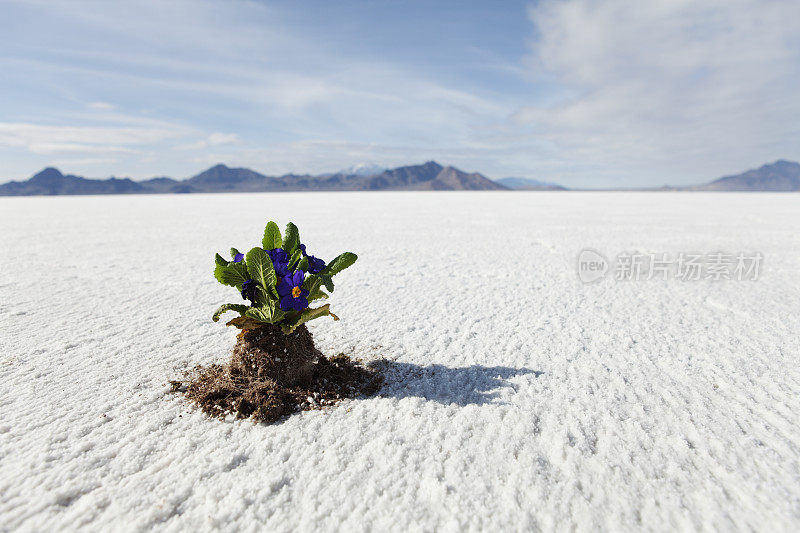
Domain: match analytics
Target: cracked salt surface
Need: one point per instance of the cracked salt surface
(517, 397)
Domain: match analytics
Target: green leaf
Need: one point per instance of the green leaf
(269, 313)
(307, 314)
(319, 294)
(233, 274)
(245, 322)
(272, 236)
(278, 314)
(303, 265)
(291, 239)
(234, 253)
(258, 314)
(328, 282)
(290, 315)
(341, 262)
(295, 259)
(218, 259)
(264, 297)
(239, 308)
(312, 283)
(260, 268)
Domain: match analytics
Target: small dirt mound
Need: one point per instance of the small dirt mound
(272, 375)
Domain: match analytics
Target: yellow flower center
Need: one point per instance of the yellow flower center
(295, 292)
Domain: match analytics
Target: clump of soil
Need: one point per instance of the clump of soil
(271, 375)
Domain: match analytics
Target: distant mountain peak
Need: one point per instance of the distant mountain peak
(225, 177)
(363, 169)
(780, 176)
(48, 174)
(781, 163)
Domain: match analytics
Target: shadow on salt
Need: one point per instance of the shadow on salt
(470, 385)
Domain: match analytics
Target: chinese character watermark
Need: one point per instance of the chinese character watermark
(683, 266)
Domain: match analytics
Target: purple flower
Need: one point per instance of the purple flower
(293, 295)
(249, 291)
(280, 262)
(315, 264)
(238, 258)
(281, 270)
(278, 255)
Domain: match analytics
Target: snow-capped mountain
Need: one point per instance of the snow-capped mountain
(363, 169)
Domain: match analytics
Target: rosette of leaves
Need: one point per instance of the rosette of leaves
(263, 272)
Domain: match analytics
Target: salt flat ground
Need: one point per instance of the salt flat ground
(518, 398)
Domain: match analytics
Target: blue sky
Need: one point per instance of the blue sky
(587, 93)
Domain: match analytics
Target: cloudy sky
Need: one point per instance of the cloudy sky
(585, 93)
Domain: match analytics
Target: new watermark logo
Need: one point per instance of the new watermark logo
(683, 266)
(592, 265)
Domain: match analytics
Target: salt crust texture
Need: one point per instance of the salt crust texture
(518, 398)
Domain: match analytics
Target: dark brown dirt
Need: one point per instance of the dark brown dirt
(271, 375)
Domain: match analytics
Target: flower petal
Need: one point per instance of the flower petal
(287, 302)
(315, 264)
(285, 287)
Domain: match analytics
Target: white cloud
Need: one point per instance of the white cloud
(215, 139)
(101, 106)
(238, 49)
(667, 88)
(233, 66)
(48, 148)
(48, 139)
(85, 162)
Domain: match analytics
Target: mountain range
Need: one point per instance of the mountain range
(527, 184)
(781, 176)
(429, 176)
